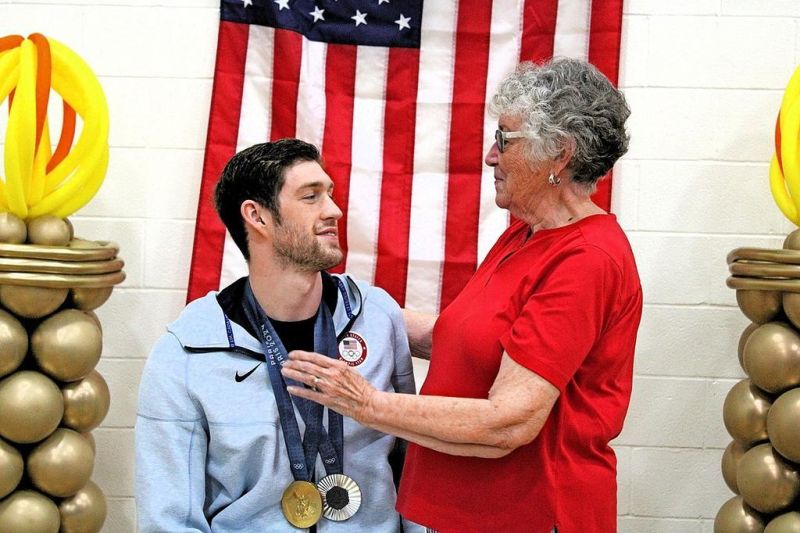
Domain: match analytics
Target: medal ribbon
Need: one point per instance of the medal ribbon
(329, 445)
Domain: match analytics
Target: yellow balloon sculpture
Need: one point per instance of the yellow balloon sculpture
(38, 180)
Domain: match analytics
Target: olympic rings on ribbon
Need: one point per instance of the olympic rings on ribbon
(39, 181)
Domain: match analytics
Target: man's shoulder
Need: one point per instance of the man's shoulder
(201, 323)
(373, 297)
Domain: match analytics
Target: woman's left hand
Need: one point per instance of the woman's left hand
(333, 383)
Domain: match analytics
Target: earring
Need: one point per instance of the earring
(553, 180)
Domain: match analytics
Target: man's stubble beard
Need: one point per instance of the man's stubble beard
(303, 250)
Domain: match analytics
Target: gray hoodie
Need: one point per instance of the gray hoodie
(210, 454)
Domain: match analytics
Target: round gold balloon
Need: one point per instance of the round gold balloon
(89, 437)
(62, 464)
(745, 413)
(32, 302)
(95, 319)
(67, 345)
(743, 340)
(772, 357)
(12, 229)
(13, 343)
(88, 299)
(70, 227)
(86, 402)
(791, 306)
(11, 467)
(785, 523)
(730, 463)
(759, 306)
(735, 516)
(27, 511)
(84, 512)
(792, 241)
(48, 230)
(31, 406)
(766, 481)
(783, 424)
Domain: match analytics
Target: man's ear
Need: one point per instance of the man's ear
(252, 215)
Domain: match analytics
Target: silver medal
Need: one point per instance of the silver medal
(341, 497)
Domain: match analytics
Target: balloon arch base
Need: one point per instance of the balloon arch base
(761, 465)
(51, 396)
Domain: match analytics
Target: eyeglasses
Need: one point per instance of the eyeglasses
(501, 137)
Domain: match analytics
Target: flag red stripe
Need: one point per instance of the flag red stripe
(337, 139)
(223, 129)
(538, 34)
(538, 30)
(604, 41)
(285, 83)
(465, 158)
(391, 267)
(604, 37)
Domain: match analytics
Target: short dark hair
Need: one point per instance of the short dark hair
(257, 173)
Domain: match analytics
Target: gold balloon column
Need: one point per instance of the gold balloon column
(762, 412)
(51, 396)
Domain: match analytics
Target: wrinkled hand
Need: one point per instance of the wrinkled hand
(334, 384)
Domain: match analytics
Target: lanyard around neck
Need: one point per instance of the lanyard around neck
(302, 452)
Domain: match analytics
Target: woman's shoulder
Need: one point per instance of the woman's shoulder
(604, 234)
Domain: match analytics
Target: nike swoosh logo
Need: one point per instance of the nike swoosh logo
(243, 377)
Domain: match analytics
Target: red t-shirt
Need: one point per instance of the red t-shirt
(565, 304)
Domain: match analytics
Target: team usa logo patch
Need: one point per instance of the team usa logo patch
(353, 349)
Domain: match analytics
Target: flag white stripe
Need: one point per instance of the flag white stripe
(311, 93)
(254, 123)
(256, 105)
(573, 20)
(363, 210)
(504, 47)
(233, 264)
(429, 183)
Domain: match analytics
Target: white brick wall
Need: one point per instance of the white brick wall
(704, 79)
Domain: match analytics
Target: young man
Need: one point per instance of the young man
(219, 444)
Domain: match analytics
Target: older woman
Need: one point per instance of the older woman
(531, 365)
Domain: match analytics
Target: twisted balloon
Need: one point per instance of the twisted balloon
(39, 180)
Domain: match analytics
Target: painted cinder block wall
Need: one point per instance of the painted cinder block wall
(704, 79)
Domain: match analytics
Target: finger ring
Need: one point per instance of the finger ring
(316, 381)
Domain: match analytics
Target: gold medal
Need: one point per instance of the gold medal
(341, 497)
(302, 504)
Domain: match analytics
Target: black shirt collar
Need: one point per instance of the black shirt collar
(232, 300)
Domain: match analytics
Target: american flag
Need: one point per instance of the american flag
(394, 92)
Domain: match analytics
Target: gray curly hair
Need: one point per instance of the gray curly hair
(567, 101)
